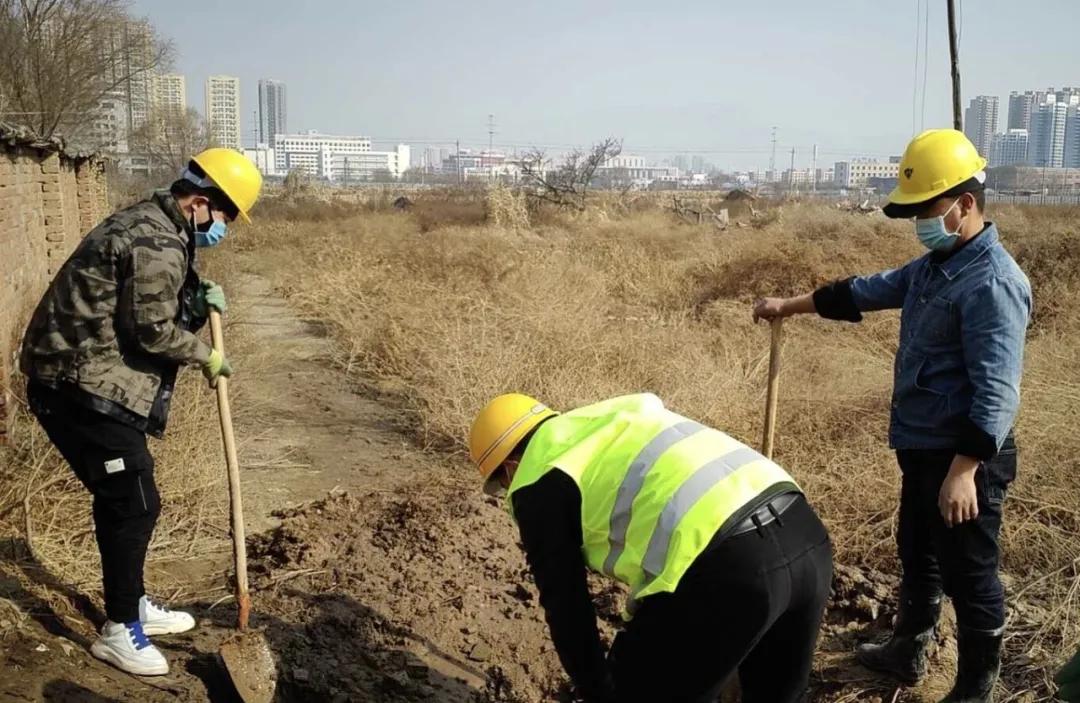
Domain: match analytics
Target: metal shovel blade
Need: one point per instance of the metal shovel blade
(251, 666)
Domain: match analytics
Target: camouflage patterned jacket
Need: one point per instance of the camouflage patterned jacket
(117, 322)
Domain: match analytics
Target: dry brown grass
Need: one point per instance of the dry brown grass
(626, 300)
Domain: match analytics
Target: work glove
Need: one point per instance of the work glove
(1069, 680)
(209, 295)
(216, 366)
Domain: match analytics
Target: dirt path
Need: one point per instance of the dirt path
(303, 428)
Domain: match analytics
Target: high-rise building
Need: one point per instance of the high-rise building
(1069, 96)
(272, 110)
(1010, 148)
(1072, 137)
(135, 50)
(223, 110)
(130, 49)
(1021, 106)
(1046, 143)
(980, 122)
(171, 95)
(108, 130)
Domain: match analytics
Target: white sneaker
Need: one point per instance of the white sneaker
(159, 620)
(127, 648)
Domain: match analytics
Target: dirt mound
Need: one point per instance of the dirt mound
(406, 597)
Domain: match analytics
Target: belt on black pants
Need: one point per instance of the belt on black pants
(768, 512)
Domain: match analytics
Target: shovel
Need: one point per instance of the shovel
(777, 326)
(246, 654)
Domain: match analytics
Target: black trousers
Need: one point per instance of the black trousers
(752, 603)
(961, 561)
(111, 459)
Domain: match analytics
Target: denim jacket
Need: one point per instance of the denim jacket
(956, 378)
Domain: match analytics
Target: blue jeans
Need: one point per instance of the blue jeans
(961, 561)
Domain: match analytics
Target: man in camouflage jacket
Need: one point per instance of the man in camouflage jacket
(102, 352)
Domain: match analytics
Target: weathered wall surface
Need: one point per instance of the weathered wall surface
(48, 200)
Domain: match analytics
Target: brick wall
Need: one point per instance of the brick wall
(48, 200)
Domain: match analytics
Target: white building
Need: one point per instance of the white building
(635, 171)
(263, 158)
(337, 158)
(223, 110)
(273, 114)
(171, 94)
(856, 173)
(1046, 142)
(1009, 149)
(980, 122)
(798, 177)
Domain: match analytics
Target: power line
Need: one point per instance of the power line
(926, 61)
(915, 79)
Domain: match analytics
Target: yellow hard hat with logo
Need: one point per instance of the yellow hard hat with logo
(935, 162)
(501, 426)
(234, 175)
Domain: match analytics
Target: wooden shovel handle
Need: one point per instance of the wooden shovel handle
(236, 507)
(774, 387)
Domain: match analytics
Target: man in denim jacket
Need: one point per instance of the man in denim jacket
(965, 310)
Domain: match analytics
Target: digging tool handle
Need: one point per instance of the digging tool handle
(774, 387)
(236, 508)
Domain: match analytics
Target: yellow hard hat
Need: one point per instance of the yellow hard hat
(500, 426)
(234, 174)
(934, 163)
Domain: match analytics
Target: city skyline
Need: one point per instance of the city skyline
(709, 79)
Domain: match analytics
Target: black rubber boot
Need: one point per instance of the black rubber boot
(978, 668)
(903, 655)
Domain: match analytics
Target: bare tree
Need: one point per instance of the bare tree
(169, 138)
(567, 184)
(60, 58)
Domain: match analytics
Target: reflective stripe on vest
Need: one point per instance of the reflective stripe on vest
(655, 486)
(631, 485)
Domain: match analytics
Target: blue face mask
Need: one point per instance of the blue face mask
(212, 236)
(933, 233)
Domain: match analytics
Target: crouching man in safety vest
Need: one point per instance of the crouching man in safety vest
(729, 567)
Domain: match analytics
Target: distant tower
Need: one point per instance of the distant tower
(273, 113)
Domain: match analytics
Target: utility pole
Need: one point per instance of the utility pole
(813, 172)
(457, 160)
(954, 53)
(491, 145)
(772, 159)
(791, 173)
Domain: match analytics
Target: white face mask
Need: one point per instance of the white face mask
(933, 233)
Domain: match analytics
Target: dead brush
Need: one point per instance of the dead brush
(574, 309)
(505, 208)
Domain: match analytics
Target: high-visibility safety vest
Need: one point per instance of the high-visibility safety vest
(655, 486)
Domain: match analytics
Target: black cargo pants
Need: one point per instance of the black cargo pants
(111, 459)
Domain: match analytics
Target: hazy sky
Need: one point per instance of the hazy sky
(708, 77)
